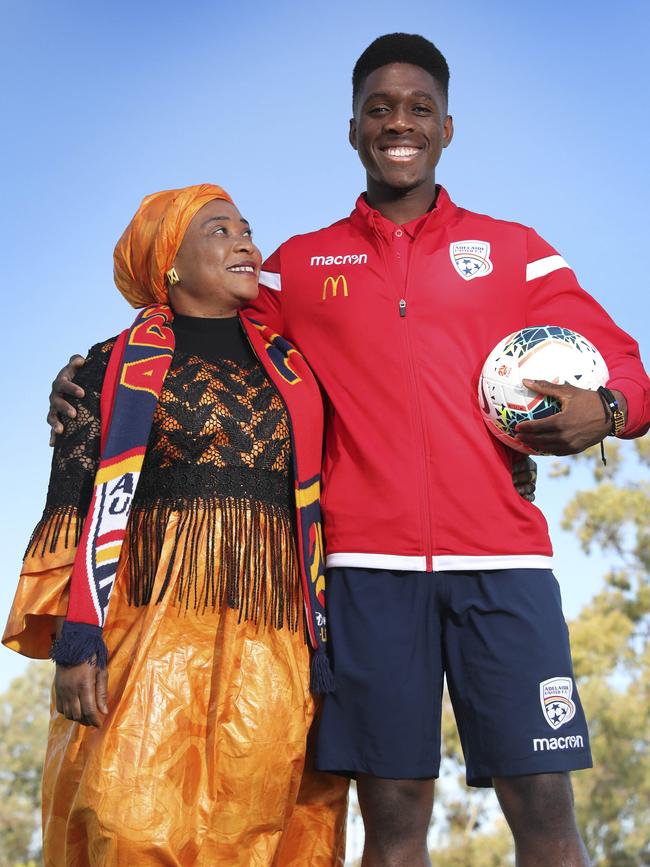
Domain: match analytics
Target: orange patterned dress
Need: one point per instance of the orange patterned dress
(201, 759)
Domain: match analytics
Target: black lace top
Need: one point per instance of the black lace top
(219, 453)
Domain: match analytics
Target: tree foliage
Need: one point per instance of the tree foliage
(24, 716)
(610, 641)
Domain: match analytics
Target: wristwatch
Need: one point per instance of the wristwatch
(613, 411)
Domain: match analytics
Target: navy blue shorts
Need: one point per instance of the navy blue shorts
(500, 639)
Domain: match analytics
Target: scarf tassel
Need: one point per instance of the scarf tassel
(78, 643)
(321, 677)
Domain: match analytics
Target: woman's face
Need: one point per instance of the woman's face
(217, 263)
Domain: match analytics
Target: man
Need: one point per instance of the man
(436, 565)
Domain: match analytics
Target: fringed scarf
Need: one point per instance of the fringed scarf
(134, 379)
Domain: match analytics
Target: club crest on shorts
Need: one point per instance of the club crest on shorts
(471, 258)
(555, 697)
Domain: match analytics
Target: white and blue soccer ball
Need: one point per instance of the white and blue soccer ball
(547, 352)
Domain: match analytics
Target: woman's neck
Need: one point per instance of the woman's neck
(200, 311)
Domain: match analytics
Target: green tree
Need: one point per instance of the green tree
(24, 716)
(611, 650)
(611, 642)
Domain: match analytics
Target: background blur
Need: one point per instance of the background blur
(103, 103)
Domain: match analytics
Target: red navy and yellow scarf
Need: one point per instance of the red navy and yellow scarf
(134, 379)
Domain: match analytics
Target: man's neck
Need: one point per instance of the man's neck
(401, 206)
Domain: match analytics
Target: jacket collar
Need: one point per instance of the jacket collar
(364, 217)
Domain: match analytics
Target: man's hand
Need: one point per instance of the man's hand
(81, 692)
(63, 385)
(581, 423)
(524, 477)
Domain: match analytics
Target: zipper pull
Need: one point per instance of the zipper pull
(402, 307)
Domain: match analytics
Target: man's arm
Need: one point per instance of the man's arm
(556, 298)
(62, 387)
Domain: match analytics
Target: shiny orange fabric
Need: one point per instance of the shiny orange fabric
(148, 247)
(201, 759)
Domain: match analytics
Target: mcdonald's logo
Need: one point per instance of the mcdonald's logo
(333, 284)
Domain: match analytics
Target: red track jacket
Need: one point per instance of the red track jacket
(412, 478)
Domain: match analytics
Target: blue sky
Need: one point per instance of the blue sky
(103, 103)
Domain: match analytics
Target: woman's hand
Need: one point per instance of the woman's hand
(63, 385)
(81, 692)
(524, 477)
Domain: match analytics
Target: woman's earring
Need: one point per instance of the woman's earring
(172, 276)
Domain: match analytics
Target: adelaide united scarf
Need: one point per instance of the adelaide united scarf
(134, 378)
(132, 385)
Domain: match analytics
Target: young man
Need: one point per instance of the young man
(396, 318)
(436, 565)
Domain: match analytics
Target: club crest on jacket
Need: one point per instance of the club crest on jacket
(471, 258)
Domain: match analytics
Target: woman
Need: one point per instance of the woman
(179, 545)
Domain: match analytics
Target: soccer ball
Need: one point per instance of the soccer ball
(547, 352)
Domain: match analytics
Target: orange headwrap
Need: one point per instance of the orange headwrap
(148, 247)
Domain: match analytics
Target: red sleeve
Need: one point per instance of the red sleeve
(267, 307)
(555, 298)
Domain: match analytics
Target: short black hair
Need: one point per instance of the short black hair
(401, 48)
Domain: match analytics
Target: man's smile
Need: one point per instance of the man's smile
(400, 153)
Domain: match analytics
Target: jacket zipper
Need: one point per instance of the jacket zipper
(425, 507)
(427, 515)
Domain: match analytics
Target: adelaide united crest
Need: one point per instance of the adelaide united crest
(471, 258)
(555, 697)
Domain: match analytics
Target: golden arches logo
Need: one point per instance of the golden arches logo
(333, 284)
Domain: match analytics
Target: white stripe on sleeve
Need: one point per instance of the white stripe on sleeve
(271, 280)
(542, 267)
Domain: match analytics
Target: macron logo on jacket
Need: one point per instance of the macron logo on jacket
(273, 280)
(347, 259)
